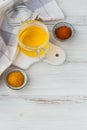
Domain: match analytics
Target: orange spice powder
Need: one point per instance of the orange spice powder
(15, 79)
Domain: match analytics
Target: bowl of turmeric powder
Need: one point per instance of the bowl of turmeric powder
(16, 79)
(63, 31)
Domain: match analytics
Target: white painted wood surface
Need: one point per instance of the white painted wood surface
(56, 96)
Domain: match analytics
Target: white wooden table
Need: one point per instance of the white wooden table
(56, 96)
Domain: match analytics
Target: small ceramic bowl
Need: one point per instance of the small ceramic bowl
(25, 79)
(60, 24)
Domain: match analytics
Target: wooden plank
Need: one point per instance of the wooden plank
(73, 7)
(68, 79)
(17, 113)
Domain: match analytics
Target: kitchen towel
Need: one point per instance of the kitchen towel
(46, 10)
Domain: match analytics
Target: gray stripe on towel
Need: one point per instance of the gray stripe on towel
(9, 38)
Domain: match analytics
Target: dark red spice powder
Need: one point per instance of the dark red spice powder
(63, 32)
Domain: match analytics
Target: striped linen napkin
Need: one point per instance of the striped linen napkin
(46, 10)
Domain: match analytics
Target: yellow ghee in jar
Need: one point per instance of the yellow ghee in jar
(34, 37)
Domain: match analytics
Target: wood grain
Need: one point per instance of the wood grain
(56, 96)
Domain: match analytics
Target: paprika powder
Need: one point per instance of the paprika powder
(63, 32)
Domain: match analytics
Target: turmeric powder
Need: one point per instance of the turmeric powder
(15, 79)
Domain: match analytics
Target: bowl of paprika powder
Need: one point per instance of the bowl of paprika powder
(63, 31)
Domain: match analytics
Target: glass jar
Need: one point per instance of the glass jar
(18, 14)
(33, 38)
